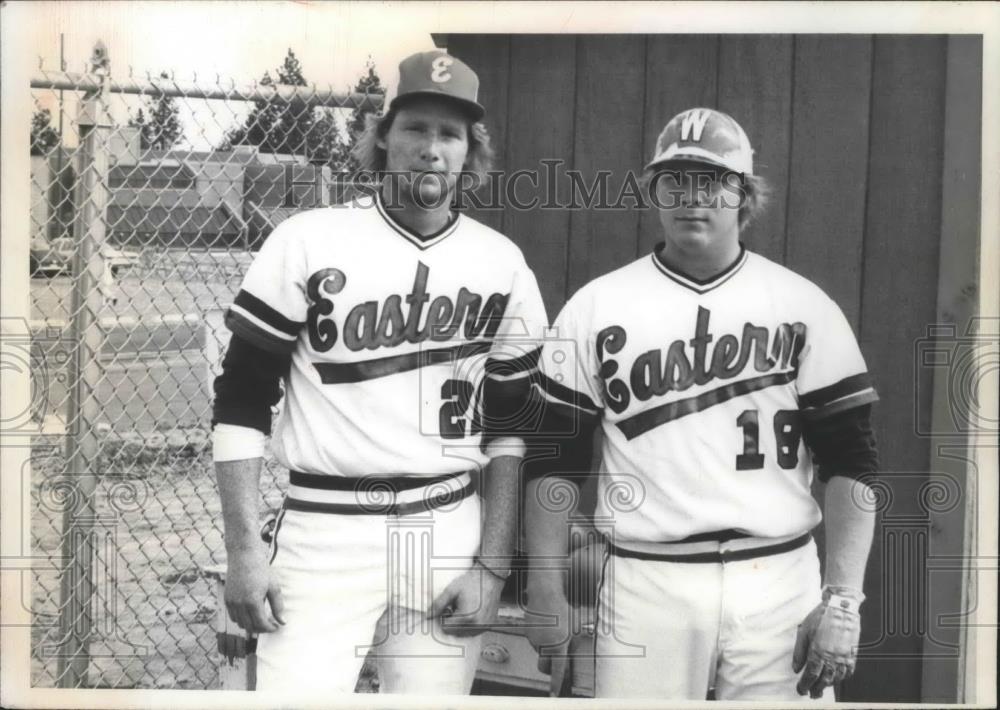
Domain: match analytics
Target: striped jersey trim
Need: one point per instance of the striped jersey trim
(420, 241)
(261, 324)
(513, 368)
(831, 393)
(264, 313)
(252, 329)
(850, 392)
(697, 285)
(497, 377)
(555, 393)
(855, 400)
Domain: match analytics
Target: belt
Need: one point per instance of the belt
(716, 536)
(401, 482)
(747, 553)
(375, 495)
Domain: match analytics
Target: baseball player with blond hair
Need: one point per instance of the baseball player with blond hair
(404, 334)
(716, 377)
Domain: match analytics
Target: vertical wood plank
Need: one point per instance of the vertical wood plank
(609, 92)
(755, 88)
(681, 73)
(543, 72)
(902, 231)
(488, 56)
(827, 168)
(958, 289)
(853, 134)
(829, 159)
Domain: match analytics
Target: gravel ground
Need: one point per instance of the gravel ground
(158, 530)
(157, 508)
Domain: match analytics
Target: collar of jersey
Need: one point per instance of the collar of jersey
(418, 240)
(695, 284)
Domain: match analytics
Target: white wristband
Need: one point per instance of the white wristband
(852, 606)
(231, 442)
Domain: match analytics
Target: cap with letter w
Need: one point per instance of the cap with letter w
(437, 73)
(704, 135)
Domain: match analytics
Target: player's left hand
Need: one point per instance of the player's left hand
(827, 646)
(468, 605)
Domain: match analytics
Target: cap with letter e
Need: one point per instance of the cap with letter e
(437, 73)
(704, 135)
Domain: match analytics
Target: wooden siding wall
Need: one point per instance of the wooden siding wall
(850, 131)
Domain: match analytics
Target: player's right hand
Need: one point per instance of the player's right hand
(549, 632)
(251, 591)
(826, 646)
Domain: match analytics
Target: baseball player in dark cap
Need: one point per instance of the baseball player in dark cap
(716, 377)
(402, 331)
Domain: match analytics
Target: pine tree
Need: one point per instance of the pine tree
(326, 141)
(290, 71)
(254, 130)
(296, 127)
(369, 83)
(161, 129)
(43, 136)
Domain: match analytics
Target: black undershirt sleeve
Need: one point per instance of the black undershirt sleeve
(507, 407)
(570, 434)
(249, 385)
(843, 444)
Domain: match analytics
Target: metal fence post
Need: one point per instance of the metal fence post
(128, 381)
(82, 446)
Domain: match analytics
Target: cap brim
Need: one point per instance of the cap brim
(692, 156)
(471, 107)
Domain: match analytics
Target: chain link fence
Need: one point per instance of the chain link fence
(142, 228)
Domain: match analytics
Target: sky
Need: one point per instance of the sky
(238, 41)
(211, 42)
(235, 40)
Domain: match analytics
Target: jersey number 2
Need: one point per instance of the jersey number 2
(787, 432)
(457, 396)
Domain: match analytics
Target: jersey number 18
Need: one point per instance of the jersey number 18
(787, 433)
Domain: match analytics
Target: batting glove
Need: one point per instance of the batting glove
(827, 642)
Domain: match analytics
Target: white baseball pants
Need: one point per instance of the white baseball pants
(350, 582)
(673, 630)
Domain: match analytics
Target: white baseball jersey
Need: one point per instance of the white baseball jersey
(390, 336)
(700, 388)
